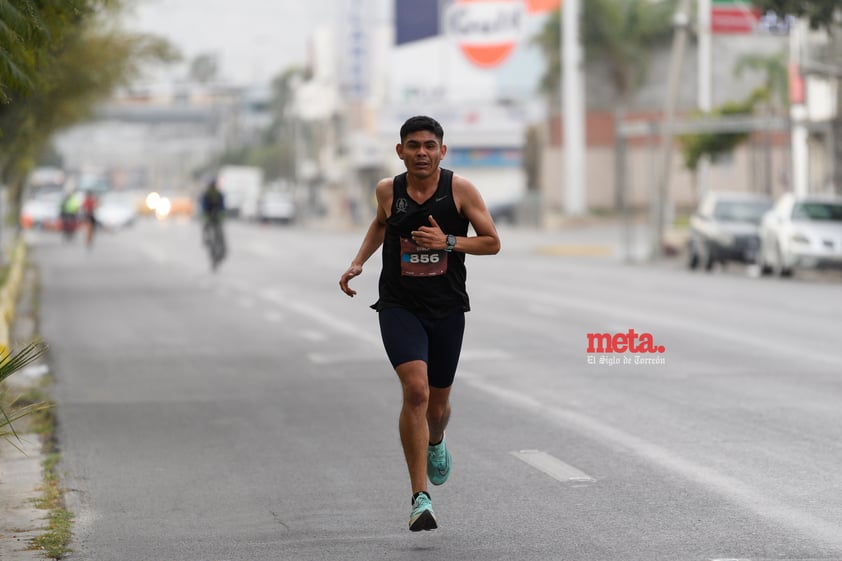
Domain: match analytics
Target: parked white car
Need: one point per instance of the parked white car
(801, 232)
(117, 209)
(276, 206)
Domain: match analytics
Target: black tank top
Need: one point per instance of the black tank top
(430, 283)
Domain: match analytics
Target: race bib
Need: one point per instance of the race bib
(420, 262)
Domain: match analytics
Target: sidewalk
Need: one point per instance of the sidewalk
(21, 472)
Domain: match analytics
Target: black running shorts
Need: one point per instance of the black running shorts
(438, 342)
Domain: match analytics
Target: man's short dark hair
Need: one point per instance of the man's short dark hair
(422, 123)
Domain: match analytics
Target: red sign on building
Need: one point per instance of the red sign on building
(733, 16)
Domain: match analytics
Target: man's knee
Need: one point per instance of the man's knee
(416, 390)
(438, 408)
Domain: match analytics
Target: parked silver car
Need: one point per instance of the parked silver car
(801, 232)
(724, 229)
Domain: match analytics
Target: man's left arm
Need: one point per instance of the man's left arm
(472, 206)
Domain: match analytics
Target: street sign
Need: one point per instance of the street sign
(486, 31)
(733, 17)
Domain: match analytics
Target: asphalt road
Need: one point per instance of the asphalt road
(251, 414)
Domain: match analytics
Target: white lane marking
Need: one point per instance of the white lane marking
(320, 316)
(222, 291)
(313, 335)
(334, 322)
(153, 253)
(334, 358)
(239, 285)
(34, 371)
(272, 316)
(544, 311)
(343, 358)
(730, 488)
(262, 249)
(552, 466)
(484, 354)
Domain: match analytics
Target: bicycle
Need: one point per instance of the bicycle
(214, 239)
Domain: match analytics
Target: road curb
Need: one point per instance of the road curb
(9, 294)
(21, 474)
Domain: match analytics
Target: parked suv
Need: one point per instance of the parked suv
(724, 229)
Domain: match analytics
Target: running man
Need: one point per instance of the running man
(422, 223)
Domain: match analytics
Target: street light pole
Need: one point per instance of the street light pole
(798, 113)
(573, 108)
(705, 100)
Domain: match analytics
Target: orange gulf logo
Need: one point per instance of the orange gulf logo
(485, 30)
(542, 6)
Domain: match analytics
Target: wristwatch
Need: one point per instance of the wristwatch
(451, 242)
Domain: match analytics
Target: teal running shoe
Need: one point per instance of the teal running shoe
(438, 463)
(422, 516)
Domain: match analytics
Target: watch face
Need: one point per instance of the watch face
(451, 240)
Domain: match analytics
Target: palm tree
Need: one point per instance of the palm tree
(9, 364)
(22, 31)
(59, 59)
(619, 34)
(774, 93)
(827, 15)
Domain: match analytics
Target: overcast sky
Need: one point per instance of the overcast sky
(254, 39)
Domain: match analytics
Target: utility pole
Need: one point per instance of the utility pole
(681, 22)
(798, 112)
(573, 108)
(705, 101)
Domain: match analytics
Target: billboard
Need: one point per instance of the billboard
(733, 16)
(416, 20)
(485, 31)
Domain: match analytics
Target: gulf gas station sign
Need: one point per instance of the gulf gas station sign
(733, 16)
(485, 31)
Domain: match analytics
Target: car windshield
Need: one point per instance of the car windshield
(817, 211)
(50, 191)
(118, 197)
(741, 211)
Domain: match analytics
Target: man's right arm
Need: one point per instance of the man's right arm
(373, 238)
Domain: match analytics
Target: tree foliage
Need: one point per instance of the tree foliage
(772, 94)
(820, 13)
(22, 32)
(57, 60)
(776, 76)
(714, 145)
(826, 15)
(275, 153)
(204, 68)
(618, 33)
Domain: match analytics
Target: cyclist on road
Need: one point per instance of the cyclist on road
(422, 222)
(213, 211)
(89, 204)
(69, 212)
